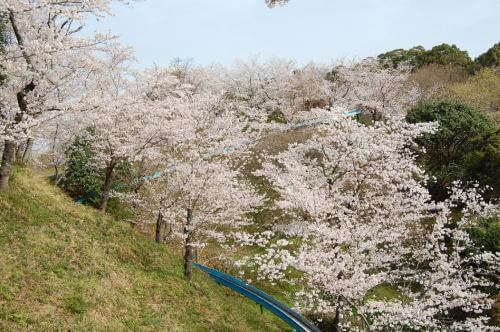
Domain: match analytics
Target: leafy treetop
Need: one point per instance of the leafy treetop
(418, 56)
(490, 58)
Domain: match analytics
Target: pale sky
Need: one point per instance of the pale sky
(220, 31)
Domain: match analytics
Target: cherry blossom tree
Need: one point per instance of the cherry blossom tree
(357, 206)
(310, 87)
(451, 271)
(127, 121)
(356, 212)
(204, 201)
(278, 87)
(344, 189)
(274, 3)
(252, 83)
(56, 135)
(40, 64)
(376, 90)
(201, 194)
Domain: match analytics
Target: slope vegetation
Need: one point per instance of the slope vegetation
(68, 267)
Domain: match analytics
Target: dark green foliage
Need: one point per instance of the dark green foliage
(486, 233)
(490, 58)
(466, 147)
(125, 180)
(483, 162)
(124, 177)
(445, 54)
(324, 323)
(82, 178)
(418, 56)
(399, 56)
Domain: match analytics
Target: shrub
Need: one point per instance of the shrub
(466, 147)
(490, 58)
(82, 178)
(486, 233)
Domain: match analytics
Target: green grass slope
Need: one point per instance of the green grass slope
(68, 267)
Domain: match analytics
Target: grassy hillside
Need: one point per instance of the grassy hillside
(68, 267)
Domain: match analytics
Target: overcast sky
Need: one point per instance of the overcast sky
(220, 31)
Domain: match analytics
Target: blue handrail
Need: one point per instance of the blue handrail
(291, 317)
(354, 112)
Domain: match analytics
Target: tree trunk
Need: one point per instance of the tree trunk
(55, 160)
(188, 260)
(159, 225)
(108, 184)
(6, 166)
(56, 174)
(19, 152)
(336, 321)
(188, 247)
(27, 150)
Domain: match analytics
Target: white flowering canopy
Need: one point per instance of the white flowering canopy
(273, 3)
(355, 204)
(45, 61)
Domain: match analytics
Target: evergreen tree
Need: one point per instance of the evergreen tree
(466, 147)
(490, 58)
(82, 178)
